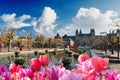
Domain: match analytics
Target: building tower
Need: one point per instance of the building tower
(92, 32)
(80, 33)
(76, 32)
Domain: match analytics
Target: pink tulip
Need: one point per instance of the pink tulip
(18, 68)
(35, 64)
(76, 71)
(99, 64)
(14, 68)
(29, 73)
(112, 75)
(2, 68)
(6, 75)
(82, 58)
(44, 60)
(22, 73)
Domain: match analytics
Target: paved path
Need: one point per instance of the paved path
(91, 53)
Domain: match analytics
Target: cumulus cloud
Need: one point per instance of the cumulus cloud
(12, 21)
(34, 22)
(24, 17)
(46, 23)
(8, 17)
(86, 19)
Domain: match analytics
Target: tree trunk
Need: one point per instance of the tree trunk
(112, 49)
(42, 46)
(9, 46)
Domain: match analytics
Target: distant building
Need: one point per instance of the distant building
(57, 36)
(84, 39)
(70, 40)
(80, 39)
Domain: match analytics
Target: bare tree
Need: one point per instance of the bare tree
(9, 35)
(40, 40)
(29, 40)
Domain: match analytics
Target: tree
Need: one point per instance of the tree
(9, 35)
(40, 40)
(111, 39)
(99, 42)
(29, 40)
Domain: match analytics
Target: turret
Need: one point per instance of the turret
(76, 32)
(92, 32)
(80, 33)
(57, 36)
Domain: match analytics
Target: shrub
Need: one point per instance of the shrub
(46, 51)
(20, 62)
(55, 52)
(69, 54)
(17, 54)
(75, 56)
(66, 62)
(36, 53)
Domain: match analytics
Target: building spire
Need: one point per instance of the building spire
(76, 32)
(80, 32)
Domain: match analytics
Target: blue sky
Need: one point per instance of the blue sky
(67, 15)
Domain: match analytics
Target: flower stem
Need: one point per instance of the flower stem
(14, 75)
(101, 77)
(37, 77)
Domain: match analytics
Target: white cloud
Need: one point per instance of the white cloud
(46, 23)
(12, 21)
(8, 17)
(24, 17)
(34, 22)
(86, 19)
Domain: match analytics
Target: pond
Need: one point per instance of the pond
(55, 59)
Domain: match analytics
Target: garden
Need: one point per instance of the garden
(40, 68)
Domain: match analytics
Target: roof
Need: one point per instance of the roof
(68, 38)
(85, 34)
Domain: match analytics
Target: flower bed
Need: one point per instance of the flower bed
(88, 69)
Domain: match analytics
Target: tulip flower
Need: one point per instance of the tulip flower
(35, 64)
(29, 73)
(7, 75)
(14, 68)
(44, 60)
(112, 75)
(99, 64)
(2, 68)
(22, 73)
(82, 58)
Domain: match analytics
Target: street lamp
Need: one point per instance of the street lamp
(0, 41)
(118, 44)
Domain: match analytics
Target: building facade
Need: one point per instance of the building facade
(81, 39)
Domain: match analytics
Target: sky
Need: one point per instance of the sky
(49, 17)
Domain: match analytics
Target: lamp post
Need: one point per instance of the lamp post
(0, 41)
(118, 44)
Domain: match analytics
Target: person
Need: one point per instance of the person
(21, 48)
